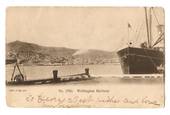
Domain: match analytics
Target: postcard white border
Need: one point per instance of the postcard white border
(5, 3)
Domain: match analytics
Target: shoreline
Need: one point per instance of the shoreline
(117, 63)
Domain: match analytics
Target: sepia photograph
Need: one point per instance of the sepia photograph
(85, 57)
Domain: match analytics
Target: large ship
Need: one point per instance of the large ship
(149, 57)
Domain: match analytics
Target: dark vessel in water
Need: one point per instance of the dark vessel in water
(146, 59)
(11, 61)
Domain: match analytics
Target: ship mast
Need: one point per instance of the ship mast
(150, 26)
(147, 28)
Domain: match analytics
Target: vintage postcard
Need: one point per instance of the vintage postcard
(72, 57)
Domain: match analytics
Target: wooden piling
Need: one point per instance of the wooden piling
(87, 72)
(55, 74)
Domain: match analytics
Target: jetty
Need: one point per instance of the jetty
(20, 80)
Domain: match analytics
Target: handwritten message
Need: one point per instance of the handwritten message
(87, 98)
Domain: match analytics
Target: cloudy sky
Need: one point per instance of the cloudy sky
(80, 28)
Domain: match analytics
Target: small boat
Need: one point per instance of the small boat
(11, 61)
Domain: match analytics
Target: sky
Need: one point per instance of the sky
(104, 28)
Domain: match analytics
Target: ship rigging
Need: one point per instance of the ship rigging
(148, 58)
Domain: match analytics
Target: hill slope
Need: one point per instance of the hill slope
(30, 54)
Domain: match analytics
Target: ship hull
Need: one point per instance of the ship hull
(140, 60)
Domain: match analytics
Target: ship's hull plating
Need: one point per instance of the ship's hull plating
(140, 60)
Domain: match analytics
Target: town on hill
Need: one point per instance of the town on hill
(33, 54)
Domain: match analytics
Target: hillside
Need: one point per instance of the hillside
(33, 54)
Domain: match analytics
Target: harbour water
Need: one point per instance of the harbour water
(41, 72)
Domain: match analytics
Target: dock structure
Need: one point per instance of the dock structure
(55, 79)
(143, 76)
(132, 76)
